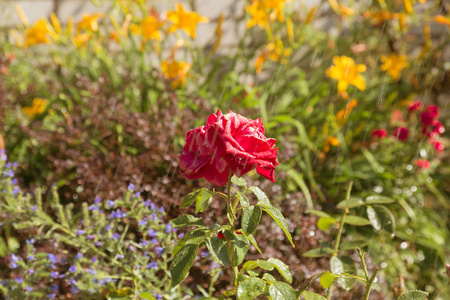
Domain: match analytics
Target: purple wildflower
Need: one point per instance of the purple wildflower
(153, 265)
(152, 233)
(131, 187)
(159, 250)
(73, 268)
(116, 236)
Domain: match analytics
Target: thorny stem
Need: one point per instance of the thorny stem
(232, 219)
(341, 226)
(369, 284)
(370, 280)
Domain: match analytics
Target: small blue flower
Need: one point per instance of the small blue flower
(181, 235)
(53, 259)
(98, 244)
(147, 203)
(51, 296)
(13, 265)
(79, 255)
(91, 237)
(54, 288)
(15, 258)
(131, 187)
(30, 241)
(93, 207)
(159, 250)
(120, 256)
(152, 233)
(30, 257)
(18, 280)
(33, 208)
(94, 259)
(73, 268)
(132, 248)
(137, 194)
(54, 274)
(92, 272)
(15, 191)
(161, 209)
(73, 281)
(144, 243)
(142, 222)
(30, 271)
(116, 236)
(111, 203)
(108, 227)
(154, 241)
(28, 289)
(73, 290)
(154, 218)
(159, 296)
(80, 232)
(153, 206)
(168, 228)
(97, 200)
(153, 265)
(204, 253)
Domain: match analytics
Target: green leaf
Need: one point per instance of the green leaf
(196, 236)
(305, 285)
(327, 279)
(251, 264)
(312, 296)
(282, 268)
(381, 218)
(243, 199)
(147, 296)
(278, 217)
(350, 203)
(325, 223)
(269, 278)
(265, 265)
(252, 240)
(263, 200)
(251, 218)
(241, 246)
(198, 195)
(319, 213)
(186, 220)
(351, 245)
(356, 221)
(325, 249)
(218, 249)
(414, 295)
(343, 264)
(250, 288)
(182, 262)
(203, 201)
(239, 181)
(281, 291)
(376, 199)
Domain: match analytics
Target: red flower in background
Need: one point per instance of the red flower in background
(437, 145)
(429, 115)
(423, 163)
(228, 141)
(415, 106)
(401, 133)
(379, 133)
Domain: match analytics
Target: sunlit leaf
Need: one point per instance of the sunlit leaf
(239, 181)
(186, 220)
(327, 280)
(350, 203)
(250, 288)
(381, 218)
(414, 295)
(281, 291)
(218, 249)
(376, 199)
(312, 296)
(282, 268)
(325, 223)
(182, 262)
(251, 218)
(343, 264)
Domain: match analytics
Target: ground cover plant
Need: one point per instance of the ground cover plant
(321, 171)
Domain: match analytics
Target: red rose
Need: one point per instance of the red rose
(423, 163)
(437, 145)
(199, 160)
(379, 133)
(415, 106)
(429, 115)
(221, 236)
(228, 141)
(401, 133)
(245, 146)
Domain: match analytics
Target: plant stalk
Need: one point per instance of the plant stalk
(232, 219)
(370, 283)
(341, 226)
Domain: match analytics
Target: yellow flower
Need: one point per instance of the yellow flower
(442, 20)
(176, 71)
(394, 64)
(343, 114)
(37, 108)
(81, 39)
(334, 141)
(263, 11)
(150, 28)
(275, 51)
(185, 20)
(346, 72)
(38, 34)
(408, 6)
(89, 22)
